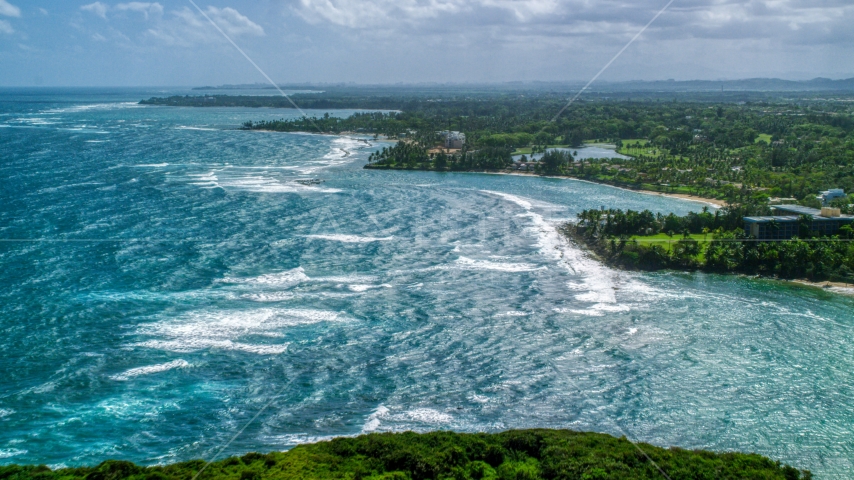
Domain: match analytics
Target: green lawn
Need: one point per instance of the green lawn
(638, 151)
(667, 242)
(638, 147)
(763, 137)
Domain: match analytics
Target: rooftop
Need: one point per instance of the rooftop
(782, 219)
(801, 210)
(793, 218)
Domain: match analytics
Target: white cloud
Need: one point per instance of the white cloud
(145, 8)
(525, 9)
(186, 27)
(562, 22)
(9, 10)
(141, 7)
(44, 11)
(97, 8)
(6, 27)
(355, 13)
(233, 23)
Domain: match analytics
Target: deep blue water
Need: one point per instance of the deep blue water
(165, 276)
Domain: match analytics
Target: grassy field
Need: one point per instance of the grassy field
(638, 147)
(667, 242)
(763, 137)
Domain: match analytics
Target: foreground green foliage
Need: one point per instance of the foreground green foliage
(513, 455)
(713, 242)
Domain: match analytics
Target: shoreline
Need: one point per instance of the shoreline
(595, 250)
(713, 202)
(692, 198)
(835, 287)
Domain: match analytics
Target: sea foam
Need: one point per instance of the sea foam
(348, 238)
(11, 452)
(136, 372)
(286, 279)
(223, 329)
(465, 263)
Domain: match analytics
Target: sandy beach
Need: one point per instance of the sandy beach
(836, 287)
(709, 201)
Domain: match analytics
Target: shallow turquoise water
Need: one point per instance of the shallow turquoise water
(165, 276)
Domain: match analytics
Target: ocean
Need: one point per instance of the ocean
(166, 277)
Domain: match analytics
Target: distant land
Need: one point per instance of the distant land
(750, 84)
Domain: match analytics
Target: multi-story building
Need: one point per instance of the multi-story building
(826, 221)
(453, 139)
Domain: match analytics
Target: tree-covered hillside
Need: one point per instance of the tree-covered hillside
(513, 455)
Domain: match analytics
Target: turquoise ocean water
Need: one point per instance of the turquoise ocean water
(165, 276)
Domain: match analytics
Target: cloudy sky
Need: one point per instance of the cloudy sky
(69, 42)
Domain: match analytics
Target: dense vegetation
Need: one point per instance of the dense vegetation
(727, 150)
(513, 455)
(713, 242)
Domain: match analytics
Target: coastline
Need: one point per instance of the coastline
(596, 250)
(835, 287)
(692, 198)
(713, 202)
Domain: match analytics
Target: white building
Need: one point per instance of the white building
(830, 195)
(453, 139)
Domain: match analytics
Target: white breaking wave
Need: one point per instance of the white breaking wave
(375, 419)
(365, 288)
(286, 279)
(405, 420)
(223, 329)
(598, 281)
(349, 238)
(5, 412)
(11, 452)
(136, 372)
(194, 345)
(429, 415)
(203, 129)
(262, 184)
(301, 438)
(465, 263)
(269, 297)
(526, 204)
(35, 121)
(346, 279)
(97, 106)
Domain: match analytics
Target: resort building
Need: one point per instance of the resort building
(829, 195)
(826, 221)
(453, 139)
